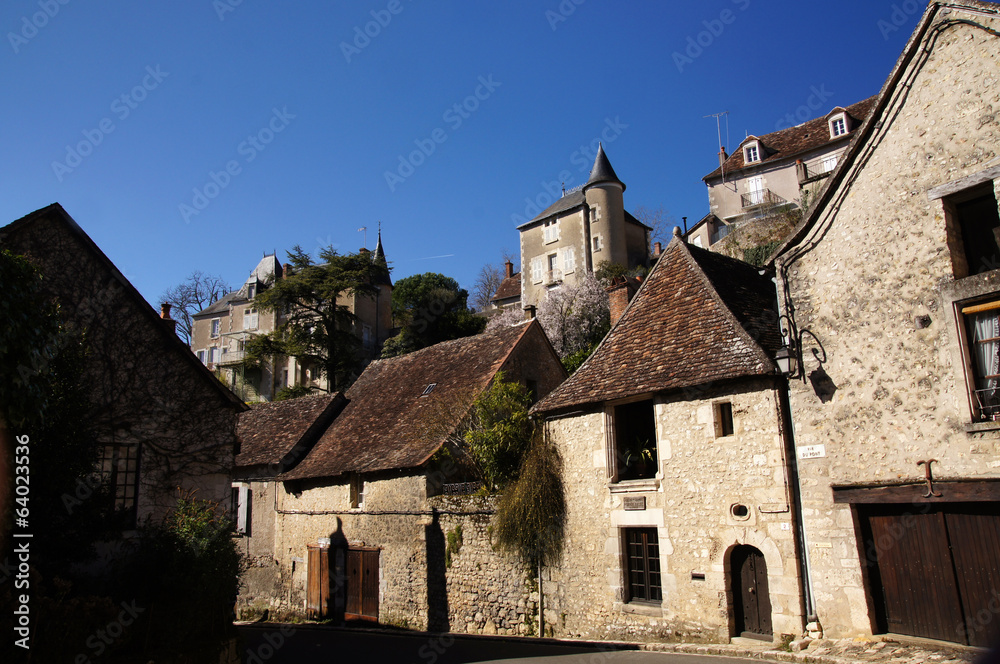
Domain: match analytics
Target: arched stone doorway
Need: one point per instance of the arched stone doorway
(751, 599)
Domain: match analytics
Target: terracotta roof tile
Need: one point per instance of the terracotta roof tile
(269, 431)
(509, 287)
(390, 423)
(786, 143)
(699, 317)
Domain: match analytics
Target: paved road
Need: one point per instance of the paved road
(290, 644)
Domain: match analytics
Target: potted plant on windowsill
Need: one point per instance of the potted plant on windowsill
(640, 459)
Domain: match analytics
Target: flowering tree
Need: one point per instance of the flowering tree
(506, 318)
(576, 318)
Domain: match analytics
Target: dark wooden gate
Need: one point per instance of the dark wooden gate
(362, 585)
(751, 598)
(934, 570)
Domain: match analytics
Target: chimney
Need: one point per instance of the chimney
(509, 269)
(657, 249)
(165, 316)
(286, 270)
(529, 312)
(722, 156)
(619, 294)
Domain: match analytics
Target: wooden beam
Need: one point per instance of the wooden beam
(951, 492)
(961, 184)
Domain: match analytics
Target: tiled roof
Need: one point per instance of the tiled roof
(390, 423)
(509, 287)
(220, 305)
(567, 202)
(786, 143)
(269, 431)
(699, 317)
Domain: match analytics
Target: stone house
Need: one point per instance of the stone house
(362, 530)
(770, 174)
(272, 438)
(890, 294)
(164, 422)
(578, 232)
(508, 293)
(220, 331)
(682, 517)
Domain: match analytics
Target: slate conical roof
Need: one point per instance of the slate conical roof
(602, 171)
(699, 318)
(379, 259)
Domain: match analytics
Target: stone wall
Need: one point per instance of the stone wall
(701, 475)
(875, 282)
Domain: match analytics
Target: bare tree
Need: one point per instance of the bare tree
(191, 296)
(660, 220)
(490, 277)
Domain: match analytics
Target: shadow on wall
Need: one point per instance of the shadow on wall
(437, 581)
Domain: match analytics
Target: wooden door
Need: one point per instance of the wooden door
(934, 571)
(362, 585)
(317, 582)
(751, 598)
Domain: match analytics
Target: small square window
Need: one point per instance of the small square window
(595, 213)
(597, 243)
(642, 558)
(724, 419)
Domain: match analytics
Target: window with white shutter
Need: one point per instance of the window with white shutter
(569, 259)
(537, 268)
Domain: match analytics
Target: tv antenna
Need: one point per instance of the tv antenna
(364, 229)
(718, 128)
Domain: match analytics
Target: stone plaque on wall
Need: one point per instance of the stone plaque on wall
(635, 503)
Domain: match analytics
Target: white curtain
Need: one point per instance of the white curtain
(985, 347)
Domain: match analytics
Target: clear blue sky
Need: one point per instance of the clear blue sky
(121, 110)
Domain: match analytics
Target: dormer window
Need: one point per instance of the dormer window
(838, 125)
(428, 389)
(251, 291)
(751, 152)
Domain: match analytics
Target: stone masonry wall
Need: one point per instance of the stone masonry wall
(701, 475)
(892, 390)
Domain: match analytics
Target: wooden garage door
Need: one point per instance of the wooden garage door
(933, 570)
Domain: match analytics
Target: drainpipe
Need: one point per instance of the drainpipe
(788, 436)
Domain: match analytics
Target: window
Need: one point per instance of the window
(357, 490)
(201, 356)
(241, 514)
(829, 163)
(982, 328)
(550, 230)
(569, 260)
(755, 191)
(723, 419)
(598, 245)
(751, 153)
(633, 430)
(838, 125)
(697, 239)
(972, 215)
(595, 213)
(717, 232)
(537, 268)
(250, 319)
(367, 340)
(215, 327)
(553, 266)
(120, 470)
(428, 389)
(251, 291)
(642, 557)
(213, 355)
